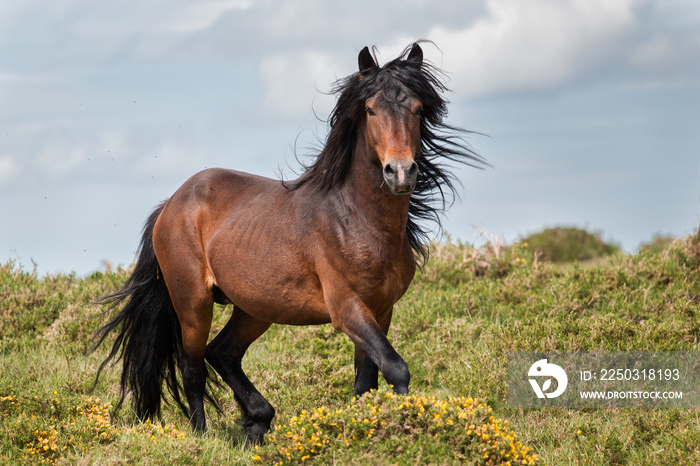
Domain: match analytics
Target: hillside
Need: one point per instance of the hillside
(464, 312)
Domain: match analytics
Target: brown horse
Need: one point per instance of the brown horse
(338, 245)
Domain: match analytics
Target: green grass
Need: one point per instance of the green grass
(465, 310)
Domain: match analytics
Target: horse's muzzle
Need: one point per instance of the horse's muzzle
(401, 176)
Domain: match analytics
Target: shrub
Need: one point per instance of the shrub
(568, 244)
(402, 429)
(455, 263)
(657, 245)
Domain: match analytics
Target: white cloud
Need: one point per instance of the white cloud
(291, 83)
(80, 29)
(169, 159)
(197, 16)
(9, 170)
(62, 152)
(535, 44)
(657, 50)
(663, 49)
(514, 46)
(61, 158)
(22, 78)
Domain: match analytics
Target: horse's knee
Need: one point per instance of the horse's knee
(260, 411)
(397, 374)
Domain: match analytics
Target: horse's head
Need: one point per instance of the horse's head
(392, 123)
(393, 116)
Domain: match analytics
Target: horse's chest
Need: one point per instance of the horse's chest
(382, 280)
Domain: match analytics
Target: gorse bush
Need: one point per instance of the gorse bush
(75, 426)
(397, 429)
(50, 428)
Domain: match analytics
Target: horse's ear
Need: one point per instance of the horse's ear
(366, 62)
(416, 54)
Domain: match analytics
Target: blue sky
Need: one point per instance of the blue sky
(590, 108)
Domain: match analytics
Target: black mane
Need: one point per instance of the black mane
(439, 140)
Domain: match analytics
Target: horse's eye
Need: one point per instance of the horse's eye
(419, 111)
(369, 111)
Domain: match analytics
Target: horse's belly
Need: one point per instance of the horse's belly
(274, 293)
(287, 306)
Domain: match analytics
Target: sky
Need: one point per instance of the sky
(587, 110)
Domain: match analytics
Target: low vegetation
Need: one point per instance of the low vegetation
(465, 311)
(658, 244)
(568, 244)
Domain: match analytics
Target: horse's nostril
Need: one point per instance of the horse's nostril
(413, 170)
(389, 171)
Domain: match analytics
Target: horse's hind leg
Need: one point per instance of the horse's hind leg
(194, 306)
(195, 331)
(225, 354)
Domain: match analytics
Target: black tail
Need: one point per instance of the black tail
(149, 341)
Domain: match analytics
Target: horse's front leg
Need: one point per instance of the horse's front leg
(366, 371)
(353, 317)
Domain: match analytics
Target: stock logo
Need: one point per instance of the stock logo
(541, 369)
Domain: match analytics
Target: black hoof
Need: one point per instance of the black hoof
(401, 390)
(255, 432)
(198, 428)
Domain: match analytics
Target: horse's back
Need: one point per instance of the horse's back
(218, 198)
(220, 184)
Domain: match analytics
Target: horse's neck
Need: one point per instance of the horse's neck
(366, 193)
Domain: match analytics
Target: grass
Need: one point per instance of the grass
(465, 310)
